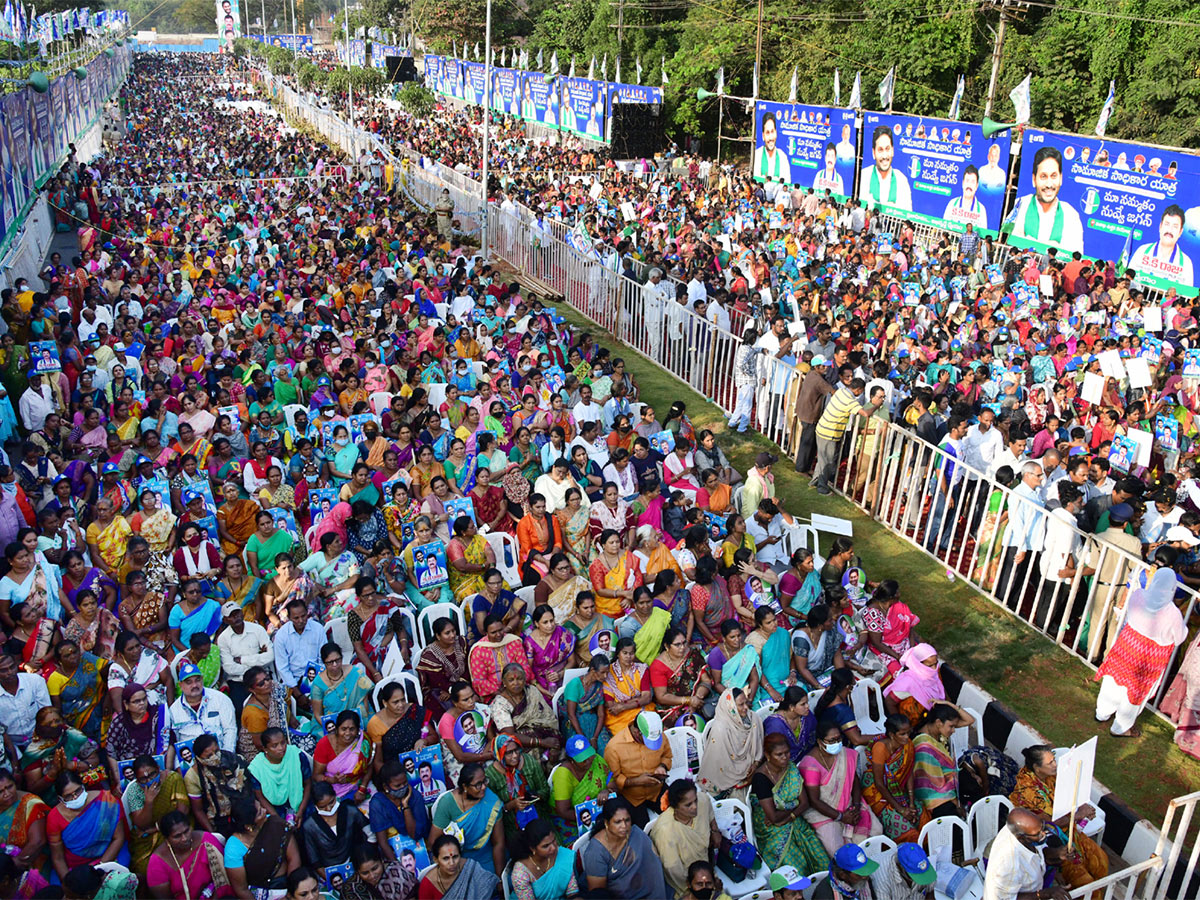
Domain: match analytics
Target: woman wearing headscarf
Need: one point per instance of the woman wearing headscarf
(733, 743)
(519, 780)
(1135, 665)
(918, 685)
(333, 522)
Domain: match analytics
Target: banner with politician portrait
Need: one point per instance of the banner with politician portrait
(583, 107)
(229, 24)
(810, 146)
(539, 99)
(1095, 196)
(506, 91)
(936, 172)
(474, 83)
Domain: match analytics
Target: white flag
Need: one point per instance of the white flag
(477, 50)
(539, 60)
(1102, 122)
(554, 62)
(887, 89)
(571, 74)
(956, 103)
(754, 92)
(794, 85)
(592, 68)
(454, 48)
(721, 80)
(856, 92)
(837, 86)
(503, 56)
(604, 67)
(617, 76)
(1020, 99)
(638, 80)
(665, 79)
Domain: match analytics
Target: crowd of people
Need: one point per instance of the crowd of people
(335, 561)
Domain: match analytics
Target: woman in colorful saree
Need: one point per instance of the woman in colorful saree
(468, 556)
(645, 622)
(795, 721)
(711, 603)
(542, 870)
(560, 587)
(476, 811)
(624, 693)
(441, 664)
(235, 519)
(519, 711)
(680, 679)
(778, 803)
(888, 784)
(423, 534)
(241, 588)
(539, 536)
(490, 656)
(774, 648)
(585, 624)
(39, 764)
(396, 728)
(343, 758)
(548, 647)
(582, 709)
(685, 833)
(836, 810)
(156, 523)
(577, 539)
(108, 537)
(917, 687)
(491, 507)
(369, 626)
(93, 627)
(22, 822)
(28, 582)
(935, 783)
(77, 577)
(519, 781)
(800, 585)
(77, 687)
(615, 575)
(137, 729)
(85, 828)
(194, 613)
(149, 796)
(339, 687)
(1034, 791)
(188, 862)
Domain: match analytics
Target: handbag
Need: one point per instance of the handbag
(735, 859)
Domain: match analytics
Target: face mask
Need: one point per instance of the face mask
(833, 749)
(331, 810)
(702, 893)
(194, 540)
(341, 442)
(210, 760)
(327, 413)
(78, 802)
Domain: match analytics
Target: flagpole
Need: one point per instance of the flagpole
(720, 123)
(349, 82)
(487, 120)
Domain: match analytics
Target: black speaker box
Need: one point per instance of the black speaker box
(636, 130)
(400, 69)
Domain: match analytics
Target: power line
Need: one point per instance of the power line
(1109, 15)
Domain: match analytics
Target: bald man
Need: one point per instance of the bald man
(1016, 869)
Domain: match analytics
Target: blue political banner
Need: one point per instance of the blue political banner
(58, 104)
(506, 91)
(539, 99)
(810, 146)
(933, 171)
(1094, 196)
(297, 43)
(16, 123)
(634, 93)
(583, 107)
(45, 132)
(474, 83)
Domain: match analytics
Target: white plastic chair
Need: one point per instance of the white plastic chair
(289, 413)
(867, 693)
(986, 818)
(506, 880)
(878, 849)
(433, 612)
(436, 394)
(508, 552)
(407, 679)
(811, 891)
(724, 812)
(554, 700)
(764, 711)
(380, 400)
(967, 735)
(526, 594)
(678, 738)
(441, 309)
(337, 630)
(941, 831)
(571, 674)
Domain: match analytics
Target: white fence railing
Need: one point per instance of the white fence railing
(1179, 850)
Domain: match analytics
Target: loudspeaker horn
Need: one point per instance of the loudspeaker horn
(991, 128)
(702, 94)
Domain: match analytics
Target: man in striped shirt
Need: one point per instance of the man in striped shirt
(831, 427)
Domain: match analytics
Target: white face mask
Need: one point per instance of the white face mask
(331, 810)
(833, 749)
(77, 802)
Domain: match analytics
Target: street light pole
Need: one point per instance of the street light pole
(487, 120)
(349, 83)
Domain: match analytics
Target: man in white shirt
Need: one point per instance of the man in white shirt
(766, 527)
(1012, 455)
(718, 314)
(656, 294)
(36, 403)
(587, 409)
(1024, 535)
(242, 644)
(22, 694)
(1060, 551)
(198, 710)
(1016, 869)
(696, 290)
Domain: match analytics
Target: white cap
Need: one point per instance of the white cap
(1181, 533)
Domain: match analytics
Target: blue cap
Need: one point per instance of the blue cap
(956, 344)
(1121, 513)
(579, 749)
(852, 859)
(902, 353)
(187, 670)
(1041, 347)
(915, 862)
(142, 459)
(109, 467)
(744, 854)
